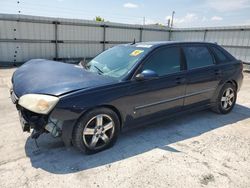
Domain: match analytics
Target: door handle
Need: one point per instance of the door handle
(180, 80)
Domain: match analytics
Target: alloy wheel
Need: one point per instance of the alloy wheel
(227, 99)
(98, 131)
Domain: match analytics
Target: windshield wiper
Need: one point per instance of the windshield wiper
(100, 71)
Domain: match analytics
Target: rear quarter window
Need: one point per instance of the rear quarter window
(197, 57)
(220, 56)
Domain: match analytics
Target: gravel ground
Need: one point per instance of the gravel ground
(198, 150)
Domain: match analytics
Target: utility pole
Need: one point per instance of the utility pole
(168, 23)
(172, 21)
(143, 20)
(171, 26)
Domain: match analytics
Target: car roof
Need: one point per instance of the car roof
(154, 44)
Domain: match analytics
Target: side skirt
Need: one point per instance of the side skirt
(145, 121)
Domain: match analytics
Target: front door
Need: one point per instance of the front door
(162, 94)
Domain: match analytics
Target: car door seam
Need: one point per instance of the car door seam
(159, 102)
(173, 99)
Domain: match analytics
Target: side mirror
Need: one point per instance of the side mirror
(146, 75)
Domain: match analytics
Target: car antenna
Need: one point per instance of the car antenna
(133, 42)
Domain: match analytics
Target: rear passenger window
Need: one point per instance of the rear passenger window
(197, 56)
(220, 56)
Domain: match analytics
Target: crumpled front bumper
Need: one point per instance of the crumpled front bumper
(32, 120)
(38, 122)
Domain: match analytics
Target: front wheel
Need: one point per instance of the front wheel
(96, 131)
(226, 99)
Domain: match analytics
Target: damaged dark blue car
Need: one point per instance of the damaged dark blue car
(88, 105)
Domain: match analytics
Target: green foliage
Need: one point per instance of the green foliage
(99, 19)
(159, 24)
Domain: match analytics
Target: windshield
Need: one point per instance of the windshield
(117, 61)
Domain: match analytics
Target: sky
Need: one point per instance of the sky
(188, 13)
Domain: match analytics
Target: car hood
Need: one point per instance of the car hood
(54, 78)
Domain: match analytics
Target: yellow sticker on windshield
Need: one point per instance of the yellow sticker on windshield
(136, 52)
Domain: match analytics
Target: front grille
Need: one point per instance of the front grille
(13, 97)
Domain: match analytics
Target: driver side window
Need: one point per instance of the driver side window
(164, 61)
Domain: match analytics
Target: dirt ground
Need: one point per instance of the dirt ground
(196, 150)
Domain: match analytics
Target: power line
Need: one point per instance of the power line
(41, 9)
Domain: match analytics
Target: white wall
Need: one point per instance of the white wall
(234, 39)
(26, 37)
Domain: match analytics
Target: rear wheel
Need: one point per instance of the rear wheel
(226, 99)
(96, 131)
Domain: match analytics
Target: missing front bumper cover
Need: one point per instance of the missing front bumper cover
(54, 127)
(39, 123)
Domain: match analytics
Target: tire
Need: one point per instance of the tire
(95, 131)
(220, 106)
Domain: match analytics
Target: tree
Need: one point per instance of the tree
(159, 24)
(99, 19)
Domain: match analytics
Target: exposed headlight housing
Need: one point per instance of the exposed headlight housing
(41, 104)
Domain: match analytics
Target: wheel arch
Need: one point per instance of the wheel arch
(233, 82)
(111, 107)
(216, 107)
(68, 127)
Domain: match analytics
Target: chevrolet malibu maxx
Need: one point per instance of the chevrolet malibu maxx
(89, 105)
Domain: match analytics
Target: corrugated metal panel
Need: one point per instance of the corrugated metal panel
(24, 30)
(155, 36)
(7, 29)
(126, 35)
(36, 50)
(107, 46)
(79, 50)
(38, 31)
(239, 53)
(221, 37)
(247, 55)
(21, 52)
(7, 51)
(69, 32)
(25, 37)
(187, 36)
(235, 39)
(236, 42)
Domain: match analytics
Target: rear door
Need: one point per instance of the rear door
(203, 75)
(225, 62)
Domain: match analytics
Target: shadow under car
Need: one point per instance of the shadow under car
(54, 157)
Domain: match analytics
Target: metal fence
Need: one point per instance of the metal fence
(27, 37)
(234, 39)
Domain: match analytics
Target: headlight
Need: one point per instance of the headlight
(41, 104)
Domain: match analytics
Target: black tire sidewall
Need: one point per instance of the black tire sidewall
(78, 130)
